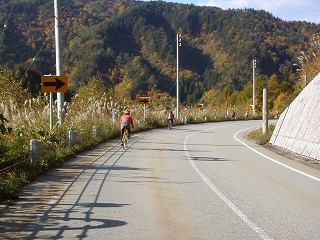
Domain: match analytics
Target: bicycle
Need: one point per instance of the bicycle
(170, 121)
(125, 138)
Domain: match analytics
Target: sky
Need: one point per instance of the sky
(296, 10)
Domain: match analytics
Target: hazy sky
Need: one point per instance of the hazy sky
(299, 10)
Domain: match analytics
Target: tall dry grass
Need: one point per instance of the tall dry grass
(92, 105)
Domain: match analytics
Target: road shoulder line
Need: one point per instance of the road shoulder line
(272, 159)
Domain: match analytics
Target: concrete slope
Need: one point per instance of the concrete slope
(298, 128)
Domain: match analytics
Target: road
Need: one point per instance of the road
(203, 181)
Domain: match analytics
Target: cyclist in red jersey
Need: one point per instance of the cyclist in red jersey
(170, 117)
(126, 121)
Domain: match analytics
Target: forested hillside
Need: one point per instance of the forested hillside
(132, 45)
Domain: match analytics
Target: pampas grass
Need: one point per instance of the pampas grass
(92, 105)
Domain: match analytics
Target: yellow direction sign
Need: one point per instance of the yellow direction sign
(199, 105)
(144, 100)
(54, 84)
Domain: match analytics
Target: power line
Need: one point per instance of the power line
(44, 4)
(68, 29)
(166, 60)
(6, 23)
(33, 59)
(175, 83)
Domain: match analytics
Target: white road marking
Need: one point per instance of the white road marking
(271, 159)
(233, 207)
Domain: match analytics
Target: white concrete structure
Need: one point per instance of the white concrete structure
(298, 128)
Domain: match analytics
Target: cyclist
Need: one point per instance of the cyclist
(126, 121)
(233, 117)
(170, 118)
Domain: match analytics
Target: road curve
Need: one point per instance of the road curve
(203, 181)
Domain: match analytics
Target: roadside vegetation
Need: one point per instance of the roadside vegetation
(24, 115)
(258, 137)
(132, 43)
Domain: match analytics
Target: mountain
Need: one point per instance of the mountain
(134, 43)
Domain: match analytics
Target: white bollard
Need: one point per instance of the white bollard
(72, 137)
(96, 131)
(185, 119)
(35, 146)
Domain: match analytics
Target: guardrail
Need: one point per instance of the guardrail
(13, 162)
(35, 150)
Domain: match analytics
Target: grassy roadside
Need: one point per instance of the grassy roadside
(55, 149)
(258, 137)
(261, 139)
(55, 153)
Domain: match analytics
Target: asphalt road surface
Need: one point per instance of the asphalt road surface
(202, 181)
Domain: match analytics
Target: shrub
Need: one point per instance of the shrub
(258, 137)
(10, 185)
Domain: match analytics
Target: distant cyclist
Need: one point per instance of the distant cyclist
(234, 116)
(170, 117)
(126, 121)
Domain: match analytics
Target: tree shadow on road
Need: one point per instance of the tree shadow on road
(210, 159)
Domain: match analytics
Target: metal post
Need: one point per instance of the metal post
(51, 111)
(265, 112)
(253, 88)
(50, 107)
(113, 117)
(60, 96)
(144, 112)
(227, 113)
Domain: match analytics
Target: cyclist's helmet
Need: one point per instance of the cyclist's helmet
(126, 111)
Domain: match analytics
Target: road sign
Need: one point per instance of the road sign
(144, 100)
(199, 105)
(54, 84)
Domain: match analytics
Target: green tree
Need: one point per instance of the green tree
(11, 89)
(138, 72)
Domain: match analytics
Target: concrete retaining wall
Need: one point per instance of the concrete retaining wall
(298, 128)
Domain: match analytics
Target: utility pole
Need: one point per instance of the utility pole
(265, 112)
(60, 96)
(178, 45)
(254, 87)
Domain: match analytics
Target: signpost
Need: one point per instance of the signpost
(53, 84)
(199, 105)
(144, 101)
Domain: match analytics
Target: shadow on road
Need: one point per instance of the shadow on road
(42, 211)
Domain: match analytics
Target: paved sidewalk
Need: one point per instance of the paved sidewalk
(37, 197)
